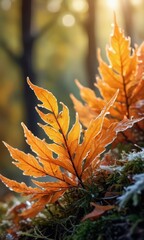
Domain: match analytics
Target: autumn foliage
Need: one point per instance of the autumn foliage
(125, 72)
(72, 156)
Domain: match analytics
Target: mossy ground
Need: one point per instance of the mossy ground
(62, 220)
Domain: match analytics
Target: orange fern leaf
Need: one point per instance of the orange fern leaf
(98, 211)
(125, 73)
(68, 159)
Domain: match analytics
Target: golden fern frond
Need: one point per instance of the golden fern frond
(124, 72)
(70, 156)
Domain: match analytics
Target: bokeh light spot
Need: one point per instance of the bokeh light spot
(68, 20)
(113, 4)
(54, 5)
(79, 5)
(136, 2)
(6, 4)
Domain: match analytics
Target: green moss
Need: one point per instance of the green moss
(134, 167)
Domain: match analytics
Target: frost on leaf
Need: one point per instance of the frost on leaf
(133, 191)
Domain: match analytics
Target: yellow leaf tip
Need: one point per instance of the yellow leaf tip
(30, 83)
(115, 19)
(4, 143)
(80, 86)
(23, 125)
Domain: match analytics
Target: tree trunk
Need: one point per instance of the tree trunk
(91, 61)
(27, 65)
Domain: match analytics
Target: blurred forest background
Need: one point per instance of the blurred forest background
(53, 42)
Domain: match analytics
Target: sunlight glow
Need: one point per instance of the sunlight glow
(79, 5)
(136, 2)
(68, 20)
(54, 5)
(113, 4)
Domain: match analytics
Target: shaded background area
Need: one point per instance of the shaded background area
(53, 42)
